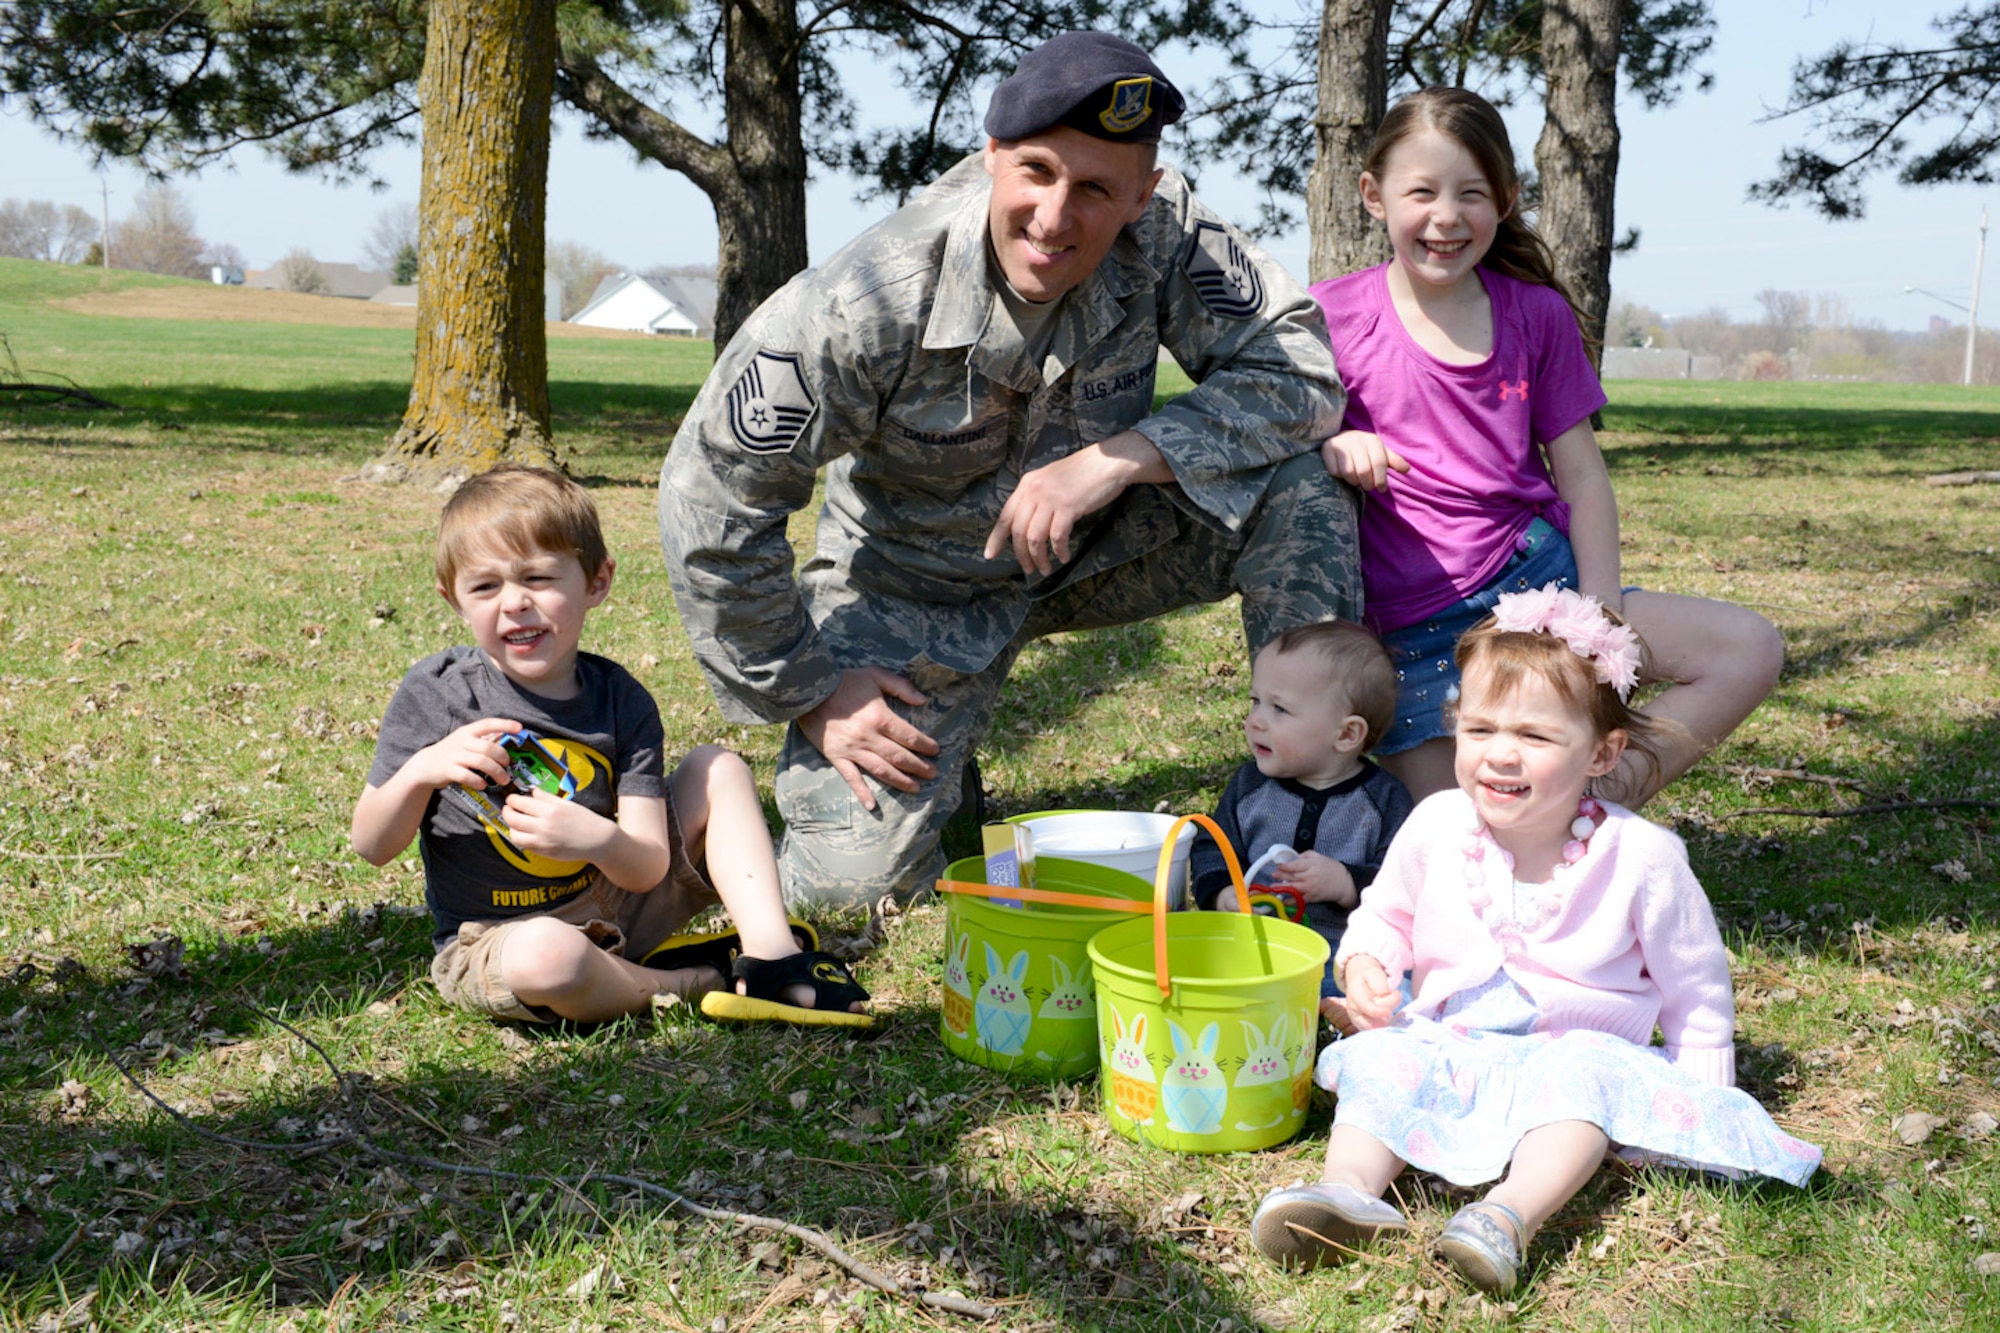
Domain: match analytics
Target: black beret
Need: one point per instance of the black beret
(1090, 81)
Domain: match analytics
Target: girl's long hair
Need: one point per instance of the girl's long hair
(1470, 121)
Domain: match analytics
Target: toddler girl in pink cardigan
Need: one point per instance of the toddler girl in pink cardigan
(1546, 935)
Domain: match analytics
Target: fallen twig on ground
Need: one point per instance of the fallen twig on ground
(14, 380)
(1876, 808)
(1792, 775)
(54, 395)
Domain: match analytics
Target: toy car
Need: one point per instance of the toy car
(532, 767)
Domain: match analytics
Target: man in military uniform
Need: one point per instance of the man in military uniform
(975, 374)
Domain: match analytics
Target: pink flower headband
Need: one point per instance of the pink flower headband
(1580, 622)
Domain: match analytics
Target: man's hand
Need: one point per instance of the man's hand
(1043, 511)
(859, 733)
(1371, 1000)
(1318, 877)
(1360, 459)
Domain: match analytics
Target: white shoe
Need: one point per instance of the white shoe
(1305, 1226)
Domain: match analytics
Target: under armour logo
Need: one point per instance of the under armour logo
(1515, 391)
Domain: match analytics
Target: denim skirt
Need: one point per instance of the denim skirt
(1426, 675)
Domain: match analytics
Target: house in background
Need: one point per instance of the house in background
(676, 307)
(348, 280)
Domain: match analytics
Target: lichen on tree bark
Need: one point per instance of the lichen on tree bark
(480, 390)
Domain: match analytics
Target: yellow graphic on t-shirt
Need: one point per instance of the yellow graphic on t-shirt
(586, 766)
(541, 895)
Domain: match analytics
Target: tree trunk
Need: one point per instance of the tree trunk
(762, 225)
(1353, 95)
(481, 391)
(1577, 156)
(755, 180)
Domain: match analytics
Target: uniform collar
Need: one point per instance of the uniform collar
(967, 305)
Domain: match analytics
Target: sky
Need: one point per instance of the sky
(1682, 177)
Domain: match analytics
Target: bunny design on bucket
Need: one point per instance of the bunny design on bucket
(1069, 1003)
(1070, 1000)
(1193, 1090)
(1265, 1081)
(1134, 1090)
(958, 987)
(1003, 1012)
(1263, 1087)
(1302, 1063)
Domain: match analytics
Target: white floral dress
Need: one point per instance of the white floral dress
(1454, 1095)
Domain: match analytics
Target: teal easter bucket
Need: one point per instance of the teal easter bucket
(1017, 985)
(1206, 1023)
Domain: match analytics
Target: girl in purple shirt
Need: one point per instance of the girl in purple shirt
(1468, 425)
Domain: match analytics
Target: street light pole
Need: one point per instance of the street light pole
(1972, 325)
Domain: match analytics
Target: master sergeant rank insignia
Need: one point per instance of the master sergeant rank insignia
(771, 405)
(1222, 273)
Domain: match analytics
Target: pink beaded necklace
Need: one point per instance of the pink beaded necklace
(1589, 815)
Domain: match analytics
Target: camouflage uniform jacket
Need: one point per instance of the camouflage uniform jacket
(897, 367)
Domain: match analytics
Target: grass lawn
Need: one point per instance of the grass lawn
(205, 615)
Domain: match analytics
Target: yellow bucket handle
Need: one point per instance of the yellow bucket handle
(1013, 894)
(1164, 872)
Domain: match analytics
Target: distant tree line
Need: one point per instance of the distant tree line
(160, 236)
(1807, 336)
(53, 233)
(157, 236)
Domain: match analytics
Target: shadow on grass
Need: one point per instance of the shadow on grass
(1835, 650)
(881, 1138)
(580, 406)
(1712, 429)
(1055, 678)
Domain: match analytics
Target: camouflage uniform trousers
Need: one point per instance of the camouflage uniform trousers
(1295, 563)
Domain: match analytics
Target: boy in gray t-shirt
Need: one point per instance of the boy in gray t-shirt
(566, 903)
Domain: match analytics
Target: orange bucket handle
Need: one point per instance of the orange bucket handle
(1013, 894)
(1164, 872)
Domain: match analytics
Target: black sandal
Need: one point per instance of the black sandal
(717, 949)
(766, 979)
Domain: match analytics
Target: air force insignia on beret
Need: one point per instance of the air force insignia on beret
(1222, 273)
(1131, 103)
(771, 405)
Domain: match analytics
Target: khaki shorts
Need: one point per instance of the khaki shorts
(618, 921)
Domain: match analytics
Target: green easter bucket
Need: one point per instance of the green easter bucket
(1017, 988)
(1206, 1023)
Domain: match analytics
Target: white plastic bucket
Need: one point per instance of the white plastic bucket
(1125, 840)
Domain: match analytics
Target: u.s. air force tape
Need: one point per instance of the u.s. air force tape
(771, 405)
(1222, 273)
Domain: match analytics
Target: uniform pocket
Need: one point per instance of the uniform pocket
(939, 449)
